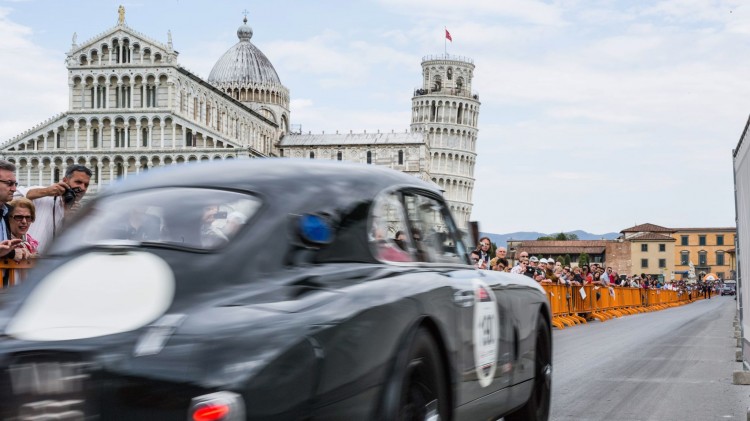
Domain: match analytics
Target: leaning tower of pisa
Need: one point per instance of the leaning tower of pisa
(446, 110)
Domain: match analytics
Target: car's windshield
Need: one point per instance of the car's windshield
(197, 218)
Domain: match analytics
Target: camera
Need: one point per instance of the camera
(70, 195)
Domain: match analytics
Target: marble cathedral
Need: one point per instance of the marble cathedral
(132, 107)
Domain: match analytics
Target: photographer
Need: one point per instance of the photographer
(56, 202)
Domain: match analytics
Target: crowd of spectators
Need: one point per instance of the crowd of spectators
(548, 271)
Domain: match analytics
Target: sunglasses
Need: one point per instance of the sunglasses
(19, 218)
(9, 183)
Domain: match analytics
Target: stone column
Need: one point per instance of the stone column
(111, 173)
(137, 136)
(75, 136)
(174, 135)
(125, 168)
(106, 96)
(28, 172)
(88, 135)
(41, 172)
(99, 166)
(130, 94)
(169, 95)
(161, 130)
(149, 136)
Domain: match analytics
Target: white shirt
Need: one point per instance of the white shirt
(43, 227)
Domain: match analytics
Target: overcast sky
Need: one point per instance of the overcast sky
(595, 115)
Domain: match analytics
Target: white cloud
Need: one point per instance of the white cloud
(34, 79)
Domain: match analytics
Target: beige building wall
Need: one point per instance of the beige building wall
(707, 248)
(652, 257)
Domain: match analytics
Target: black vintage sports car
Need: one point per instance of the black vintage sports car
(271, 289)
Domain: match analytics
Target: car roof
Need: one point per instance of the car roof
(271, 174)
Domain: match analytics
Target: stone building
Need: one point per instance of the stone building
(441, 144)
(133, 107)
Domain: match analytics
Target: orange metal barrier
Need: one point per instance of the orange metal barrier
(573, 305)
(16, 271)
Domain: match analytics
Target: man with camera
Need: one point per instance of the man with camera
(56, 202)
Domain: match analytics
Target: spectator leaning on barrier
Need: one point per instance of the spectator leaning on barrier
(578, 277)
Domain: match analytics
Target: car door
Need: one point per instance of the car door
(484, 353)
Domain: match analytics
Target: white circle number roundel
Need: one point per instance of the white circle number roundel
(486, 332)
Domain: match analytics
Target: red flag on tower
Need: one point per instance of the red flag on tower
(448, 35)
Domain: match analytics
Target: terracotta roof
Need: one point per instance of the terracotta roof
(647, 228)
(561, 250)
(651, 237)
(566, 243)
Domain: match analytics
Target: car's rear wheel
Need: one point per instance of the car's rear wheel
(423, 391)
(538, 405)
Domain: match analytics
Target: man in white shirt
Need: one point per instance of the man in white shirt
(55, 202)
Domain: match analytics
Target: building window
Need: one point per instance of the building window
(400, 157)
(369, 157)
(281, 153)
(684, 240)
(702, 261)
(312, 155)
(684, 258)
(662, 247)
(339, 156)
(701, 240)
(662, 263)
(644, 263)
(719, 240)
(720, 258)
(644, 247)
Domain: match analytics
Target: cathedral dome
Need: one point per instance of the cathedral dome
(243, 64)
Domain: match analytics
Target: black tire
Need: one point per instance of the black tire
(422, 389)
(538, 406)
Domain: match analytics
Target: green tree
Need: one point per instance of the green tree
(558, 237)
(583, 259)
(566, 260)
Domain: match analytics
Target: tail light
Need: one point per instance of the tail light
(219, 406)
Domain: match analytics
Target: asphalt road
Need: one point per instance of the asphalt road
(673, 364)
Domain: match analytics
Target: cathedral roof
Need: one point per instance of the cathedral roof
(352, 139)
(244, 63)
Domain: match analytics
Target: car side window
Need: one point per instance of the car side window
(389, 237)
(433, 231)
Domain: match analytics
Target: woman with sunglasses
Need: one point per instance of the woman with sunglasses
(21, 216)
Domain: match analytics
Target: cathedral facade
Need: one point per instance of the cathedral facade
(132, 107)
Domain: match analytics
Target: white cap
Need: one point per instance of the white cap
(543, 260)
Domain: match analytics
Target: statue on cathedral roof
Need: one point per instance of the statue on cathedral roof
(121, 15)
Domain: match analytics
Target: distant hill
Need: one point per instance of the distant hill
(502, 239)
